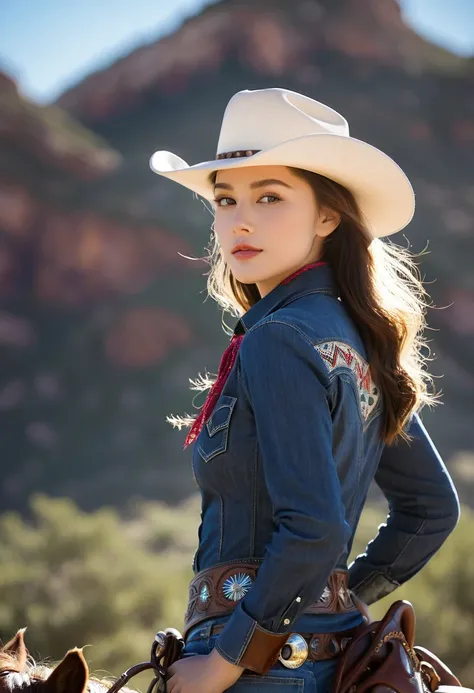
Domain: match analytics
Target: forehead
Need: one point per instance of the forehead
(249, 174)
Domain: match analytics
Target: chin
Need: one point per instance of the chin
(246, 277)
(244, 272)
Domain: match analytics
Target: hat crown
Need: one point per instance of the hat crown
(264, 118)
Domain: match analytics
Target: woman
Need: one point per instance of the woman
(316, 395)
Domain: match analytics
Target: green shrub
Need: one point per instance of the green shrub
(76, 578)
(97, 579)
(441, 594)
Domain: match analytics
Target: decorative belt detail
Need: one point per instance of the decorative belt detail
(313, 646)
(215, 591)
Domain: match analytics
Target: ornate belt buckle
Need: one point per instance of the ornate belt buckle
(294, 652)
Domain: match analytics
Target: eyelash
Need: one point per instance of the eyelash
(226, 197)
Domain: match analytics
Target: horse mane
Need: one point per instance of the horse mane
(15, 677)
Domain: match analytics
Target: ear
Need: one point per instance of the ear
(328, 222)
(16, 648)
(70, 675)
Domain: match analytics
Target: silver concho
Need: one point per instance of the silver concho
(204, 594)
(236, 586)
(326, 596)
(294, 652)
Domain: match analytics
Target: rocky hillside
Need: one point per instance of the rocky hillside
(103, 321)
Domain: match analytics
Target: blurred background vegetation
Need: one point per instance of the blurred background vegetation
(77, 578)
(104, 317)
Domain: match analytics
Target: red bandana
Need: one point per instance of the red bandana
(225, 367)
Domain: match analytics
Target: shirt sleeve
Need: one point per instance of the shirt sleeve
(423, 511)
(283, 379)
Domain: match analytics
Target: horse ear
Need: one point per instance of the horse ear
(16, 648)
(70, 675)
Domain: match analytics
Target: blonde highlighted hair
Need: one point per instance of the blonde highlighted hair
(381, 288)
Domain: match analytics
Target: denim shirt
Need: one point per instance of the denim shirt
(285, 461)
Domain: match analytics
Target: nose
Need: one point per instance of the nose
(242, 225)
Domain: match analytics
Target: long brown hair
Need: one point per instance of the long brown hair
(381, 289)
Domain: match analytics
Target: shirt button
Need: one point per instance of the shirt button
(286, 621)
(298, 599)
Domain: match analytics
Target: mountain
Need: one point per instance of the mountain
(107, 311)
(271, 39)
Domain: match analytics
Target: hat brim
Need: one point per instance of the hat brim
(382, 190)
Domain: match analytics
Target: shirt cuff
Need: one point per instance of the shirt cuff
(370, 586)
(245, 643)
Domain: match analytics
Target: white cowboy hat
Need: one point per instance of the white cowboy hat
(276, 126)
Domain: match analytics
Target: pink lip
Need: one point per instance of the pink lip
(245, 254)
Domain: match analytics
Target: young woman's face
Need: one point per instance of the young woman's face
(275, 211)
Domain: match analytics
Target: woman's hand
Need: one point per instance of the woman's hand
(202, 674)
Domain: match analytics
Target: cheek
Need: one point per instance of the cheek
(223, 229)
(293, 229)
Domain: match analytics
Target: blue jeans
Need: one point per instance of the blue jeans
(310, 677)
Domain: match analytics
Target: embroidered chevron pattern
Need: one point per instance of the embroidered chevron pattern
(336, 354)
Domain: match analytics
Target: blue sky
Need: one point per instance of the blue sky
(50, 44)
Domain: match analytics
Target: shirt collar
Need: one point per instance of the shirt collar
(315, 280)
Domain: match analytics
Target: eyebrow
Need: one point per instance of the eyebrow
(256, 184)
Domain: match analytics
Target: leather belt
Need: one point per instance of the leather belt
(216, 591)
(308, 646)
